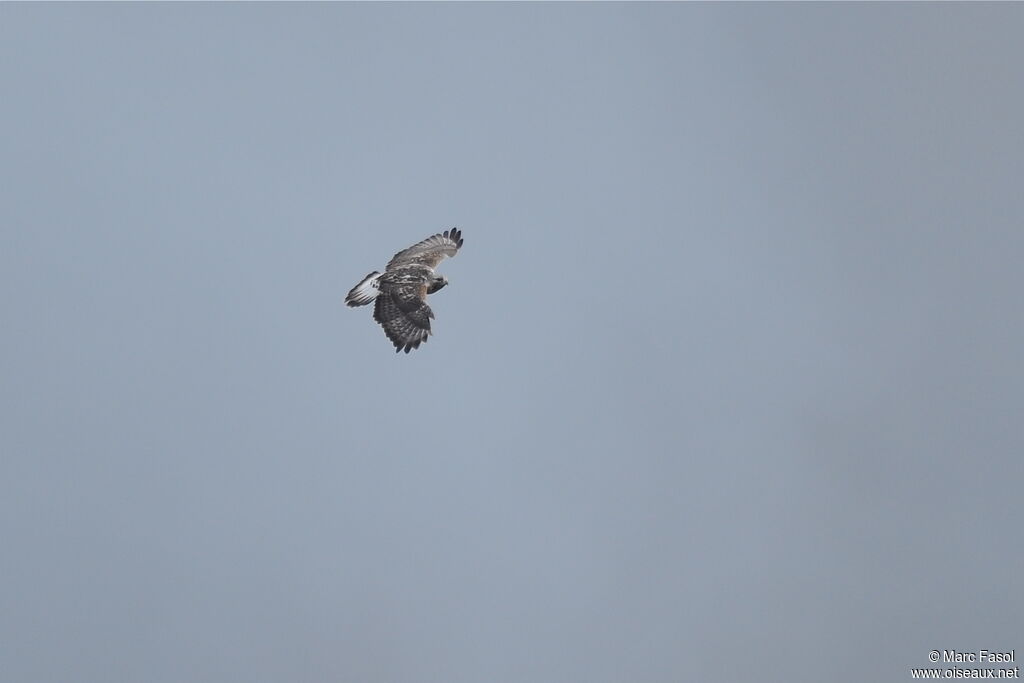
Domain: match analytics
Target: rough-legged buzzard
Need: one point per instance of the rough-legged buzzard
(401, 291)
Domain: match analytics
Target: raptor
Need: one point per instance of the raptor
(399, 294)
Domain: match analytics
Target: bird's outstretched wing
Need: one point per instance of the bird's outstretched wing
(430, 251)
(404, 315)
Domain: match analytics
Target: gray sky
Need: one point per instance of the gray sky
(727, 384)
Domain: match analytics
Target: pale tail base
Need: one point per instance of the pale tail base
(365, 292)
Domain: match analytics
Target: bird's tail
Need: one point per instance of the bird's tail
(365, 292)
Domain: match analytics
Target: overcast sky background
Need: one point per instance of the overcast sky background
(727, 384)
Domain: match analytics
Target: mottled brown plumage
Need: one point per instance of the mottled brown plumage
(400, 293)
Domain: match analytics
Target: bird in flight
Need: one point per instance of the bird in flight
(400, 293)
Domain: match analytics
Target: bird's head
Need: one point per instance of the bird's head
(437, 283)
